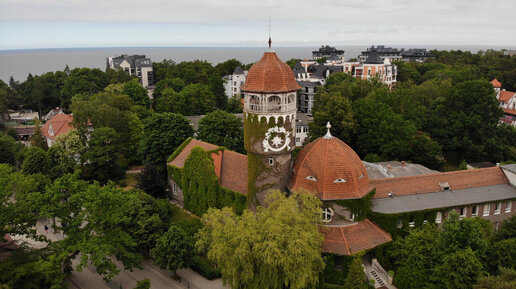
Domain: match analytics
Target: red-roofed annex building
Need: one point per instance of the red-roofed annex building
(359, 212)
(59, 124)
(507, 101)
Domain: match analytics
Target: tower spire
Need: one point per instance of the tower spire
(270, 41)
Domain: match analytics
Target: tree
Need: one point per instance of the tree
(227, 67)
(94, 220)
(506, 280)
(111, 109)
(195, 99)
(507, 230)
(277, 246)
(415, 255)
(222, 128)
(164, 132)
(219, 92)
(137, 93)
(37, 140)
(176, 84)
(68, 153)
(36, 161)
(356, 277)
(458, 270)
(234, 104)
(82, 81)
(471, 233)
(152, 180)
(102, 155)
(8, 149)
(174, 250)
(146, 219)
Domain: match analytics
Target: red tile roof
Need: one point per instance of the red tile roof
(270, 74)
(421, 184)
(322, 162)
(234, 171)
(509, 111)
(496, 83)
(505, 95)
(230, 166)
(179, 160)
(61, 124)
(350, 239)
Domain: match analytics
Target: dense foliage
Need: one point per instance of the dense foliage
(455, 257)
(276, 247)
(440, 111)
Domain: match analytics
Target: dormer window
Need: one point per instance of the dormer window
(311, 178)
(339, 181)
(50, 130)
(361, 176)
(444, 186)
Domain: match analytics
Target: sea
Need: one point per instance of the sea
(19, 63)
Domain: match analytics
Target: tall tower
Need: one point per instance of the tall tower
(269, 125)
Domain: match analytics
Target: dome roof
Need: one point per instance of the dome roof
(270, 74)
(496, 83)
(331, 169)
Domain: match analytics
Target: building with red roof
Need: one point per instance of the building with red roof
(58, 125)
(359, 211)
(507, 101)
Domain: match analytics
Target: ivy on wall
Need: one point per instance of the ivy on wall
(254, 131)
(360, 207)
(336, 269)
(200, 185)
(389, 222)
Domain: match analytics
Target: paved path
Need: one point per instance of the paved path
(160, 279)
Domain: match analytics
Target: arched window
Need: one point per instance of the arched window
(274, 103)
(327, 215)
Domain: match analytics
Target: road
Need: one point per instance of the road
(160, 279)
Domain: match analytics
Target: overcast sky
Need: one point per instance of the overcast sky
(100, 23)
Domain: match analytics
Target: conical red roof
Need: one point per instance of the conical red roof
(331, 169)
(270, 74)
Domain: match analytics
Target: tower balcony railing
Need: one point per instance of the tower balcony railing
(270, 108)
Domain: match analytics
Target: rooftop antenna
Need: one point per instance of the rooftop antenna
(270, 41)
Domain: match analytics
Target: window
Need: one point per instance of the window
(438, 217)
(487, 208)
(463, 212)
(311, 178)
(298, 129)
(327, 215)
(399, 223)
(175, 189)
(352, 216)
(411, 223)
(339, 180)
(497, 208)
(474, 210)
(496, 226)
(305, 129)
(298, 140)
(508, 207)
(271, 161)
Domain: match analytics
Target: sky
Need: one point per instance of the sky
(29, 24)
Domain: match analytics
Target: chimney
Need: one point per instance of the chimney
(403, 163)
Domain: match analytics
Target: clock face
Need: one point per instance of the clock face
(276, 139)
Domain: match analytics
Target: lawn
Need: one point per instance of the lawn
(178, 214)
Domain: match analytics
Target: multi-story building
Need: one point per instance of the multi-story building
(373, 67)
(233, 82)
(137, 65)
(382, 52)
(415, 54)
(327, 51)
